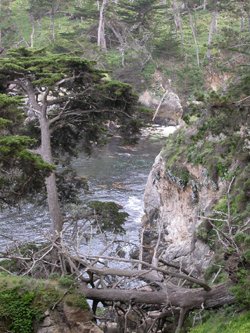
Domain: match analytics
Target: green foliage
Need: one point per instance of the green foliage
(68, 185)
(108, 217)
(15, 145)
(247, 254)
(84, 102)
(130, 130)
(28, 170)
(217, 143)
(53, 276)
(22, 301)
(15, 308)
(212, 270)
(224, 323)
(241, 290)
(109, 100)
(46, 68)
(222, 167)
(148, 70)
(213, 140)
(191, 77)
(179, 174)
(140, 29)
(66, 281)
(186, 119)
(239, 238)
(80, 301)
(11, 115)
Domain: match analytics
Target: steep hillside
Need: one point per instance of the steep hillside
(185, 41)
(197, 199)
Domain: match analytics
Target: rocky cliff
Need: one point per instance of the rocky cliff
(177, 209)
(189, 180)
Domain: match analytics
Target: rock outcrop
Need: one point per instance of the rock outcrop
(170, 111)
(175, 209)
(68, 319)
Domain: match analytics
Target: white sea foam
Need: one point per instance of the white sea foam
(134, 207)
(159, 131)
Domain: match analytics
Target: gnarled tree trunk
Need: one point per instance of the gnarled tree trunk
(53, 202)
(45, 151)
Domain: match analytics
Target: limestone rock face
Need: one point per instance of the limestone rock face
(68, 319)
(170, 111)
(175, 209)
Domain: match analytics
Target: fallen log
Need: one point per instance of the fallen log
(173, 296)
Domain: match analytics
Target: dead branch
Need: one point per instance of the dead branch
(175, 266)
(177, 296)
(155, 257)
(227, 238)
(104, 282)
(165, 272)
(158, 107)
(141, 248)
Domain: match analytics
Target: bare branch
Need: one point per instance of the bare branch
(229, 208)
(165, 272)
(158, 107)
(155, 259)
(6, 271)
(141, 248)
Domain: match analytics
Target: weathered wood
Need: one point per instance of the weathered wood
(152, 268)
(175, 296)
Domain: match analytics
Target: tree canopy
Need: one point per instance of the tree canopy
(21, 172)
(72, 102)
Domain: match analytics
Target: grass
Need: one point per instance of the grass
(222, 323)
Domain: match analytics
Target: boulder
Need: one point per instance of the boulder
(68, 319)
(170, 111)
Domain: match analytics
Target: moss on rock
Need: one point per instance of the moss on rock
(24, 303)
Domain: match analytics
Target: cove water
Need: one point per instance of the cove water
(114, 173)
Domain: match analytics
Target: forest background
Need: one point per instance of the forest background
(189, 42)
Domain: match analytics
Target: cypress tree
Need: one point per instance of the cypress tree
(70, 98)
(22, 172)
